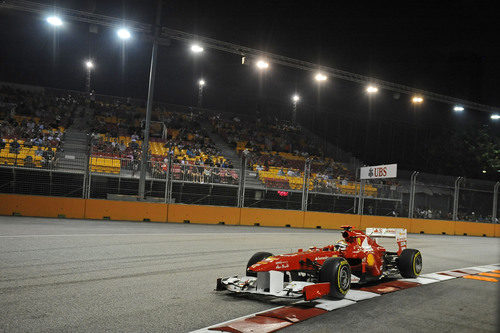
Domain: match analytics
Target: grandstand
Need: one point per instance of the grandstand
(33, 127)
(92, 148)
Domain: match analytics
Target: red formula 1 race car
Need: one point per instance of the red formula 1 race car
(329, 270)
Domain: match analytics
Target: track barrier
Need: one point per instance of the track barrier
(73, 208)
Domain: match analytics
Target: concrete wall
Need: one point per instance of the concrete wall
(41, 206)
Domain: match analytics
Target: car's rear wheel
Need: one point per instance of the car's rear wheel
(410, 263)
(259, 256)
(338, 272)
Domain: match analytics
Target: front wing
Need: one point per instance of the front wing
(272, 284)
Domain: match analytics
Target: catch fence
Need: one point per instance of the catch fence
(417, 195)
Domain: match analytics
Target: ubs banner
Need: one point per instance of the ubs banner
(379, 171)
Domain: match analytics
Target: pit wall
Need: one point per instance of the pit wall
(42, 206)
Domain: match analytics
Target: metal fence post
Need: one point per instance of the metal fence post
(354, 207)
(361, 199)
(85, 177)
(495, 202)
(305, 185)
(167, 179)
(88, 168)
(89, 183)
(413, 187)
(14, 180)
(458, 181)
(241, 185)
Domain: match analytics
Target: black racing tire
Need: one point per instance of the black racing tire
(259, 256)
(410, 263)
(338, 272)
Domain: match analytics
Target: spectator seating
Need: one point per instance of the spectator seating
(105, 165)
(272, 179)
(26, 156)
(281, 183)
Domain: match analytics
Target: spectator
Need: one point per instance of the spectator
(28, 162)
(206, 175)
(14, 147)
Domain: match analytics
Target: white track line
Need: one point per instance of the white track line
(481, 269)
(436, 276)
(330, 305)
(357, 295)
(421, 280)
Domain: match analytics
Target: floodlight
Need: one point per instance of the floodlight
(296, 98)
(458, 108)
(417, 100)
(54, 20)
(195, 48)
(261, 64)
(201, 82)
(484, 171)
(123, 33)
(89, 64)
(320, 77)
(495, 116)
(371, 89)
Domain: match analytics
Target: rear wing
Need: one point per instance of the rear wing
(399, 234)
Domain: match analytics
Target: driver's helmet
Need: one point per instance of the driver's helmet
(341, 245)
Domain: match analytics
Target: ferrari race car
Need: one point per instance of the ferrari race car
(330, 270)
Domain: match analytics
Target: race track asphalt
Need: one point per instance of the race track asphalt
(92, 276)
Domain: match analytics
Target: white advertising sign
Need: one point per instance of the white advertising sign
(379, 171)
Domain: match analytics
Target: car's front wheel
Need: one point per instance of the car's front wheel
(259, 256)
(338, 272)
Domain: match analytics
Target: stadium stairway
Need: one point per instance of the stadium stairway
(252, 181)
(75, 145)
(74, 150)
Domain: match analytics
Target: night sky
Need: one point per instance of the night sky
(448, 47)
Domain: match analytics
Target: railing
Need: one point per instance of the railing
(105, 177)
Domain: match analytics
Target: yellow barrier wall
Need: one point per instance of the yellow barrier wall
(497, 230)
(329, 220)
(272, 217)
(32, 205)
(203, 214)
(432, 227)
(125, 210)
(368, 221)
(474, 229)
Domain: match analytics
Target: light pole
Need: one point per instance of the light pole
(320, 79)
(262, 64)
(201, 84)
(295, 100)
(149, 103)
(416, 102)
(54, 21)
(371, 90)
(196, 48)
(89, 65)
(123, 33)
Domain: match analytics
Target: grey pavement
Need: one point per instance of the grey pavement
(77, 275)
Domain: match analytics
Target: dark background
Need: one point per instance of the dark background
(446, 47)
